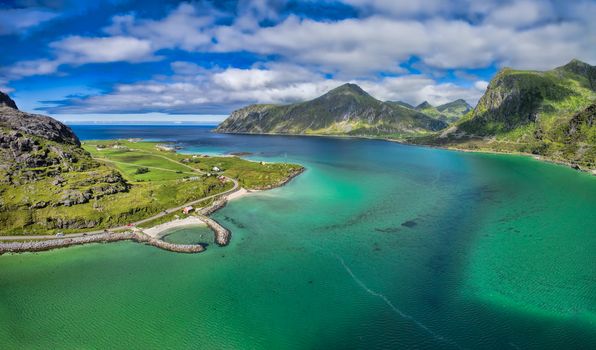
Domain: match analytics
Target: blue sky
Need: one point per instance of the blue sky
(199, 60)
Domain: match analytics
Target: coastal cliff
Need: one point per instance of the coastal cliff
(549, 114)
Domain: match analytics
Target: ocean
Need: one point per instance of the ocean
(378, 245)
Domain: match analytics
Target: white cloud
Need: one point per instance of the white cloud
(437, 35)
(352, 46)
(16, 20)
(481, 85)
(32, 67)
(415, 89)
(521, 13)
(221, 90)
(357, 47)
(76, 49)
(183, 28)
(401, 8)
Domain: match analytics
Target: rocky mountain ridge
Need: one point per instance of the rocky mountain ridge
(345, 110)
(532, 112)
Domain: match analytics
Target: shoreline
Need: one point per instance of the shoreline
(401, 142)
(152, 237)
(159, 231)
(38, 246)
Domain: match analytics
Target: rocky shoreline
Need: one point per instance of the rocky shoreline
(38, 246)
(222, 234)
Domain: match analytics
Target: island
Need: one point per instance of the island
(57, 191)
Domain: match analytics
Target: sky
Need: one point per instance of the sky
(125, 60)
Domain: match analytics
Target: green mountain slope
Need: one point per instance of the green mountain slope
(346, 110)
(453, 111)
(401, 103)
(449, 112)
(545, 113)
(43, 166)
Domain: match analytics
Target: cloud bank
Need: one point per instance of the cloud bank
(395, 49)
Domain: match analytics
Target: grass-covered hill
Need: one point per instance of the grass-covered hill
(49, 182)
(547, 113)
(345, 110)
(449, 112)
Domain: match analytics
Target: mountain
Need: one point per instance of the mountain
(449, 112)
(548, 113)
(401, 103)
(42, 165)
(453, 111)
(345, 110)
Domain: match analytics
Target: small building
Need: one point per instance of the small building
(222, 178)
(187, 210)
(216, 169)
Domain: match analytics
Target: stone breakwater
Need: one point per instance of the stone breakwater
(37, 246)
(222, 234)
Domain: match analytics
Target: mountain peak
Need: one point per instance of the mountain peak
(348, 88)
(576, 62)
(5, 100)
(424, 105)
(576, 66)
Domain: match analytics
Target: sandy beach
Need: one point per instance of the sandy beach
(159, 230)
(240, 193)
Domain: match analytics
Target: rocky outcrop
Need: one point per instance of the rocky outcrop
(289, 178)
(31, 142)
(546, 113)
(5, 100)
(36, 125)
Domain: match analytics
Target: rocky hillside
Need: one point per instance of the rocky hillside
(5, 100)
(449, 112)
(43, 165)
(453, 111)
(545, 113)
(346, 110)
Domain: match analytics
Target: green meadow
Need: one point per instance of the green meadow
(131, 181)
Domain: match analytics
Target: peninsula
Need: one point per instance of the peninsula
(53, 186)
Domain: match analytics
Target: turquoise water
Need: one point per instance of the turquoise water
(376, 245)
(190, 235)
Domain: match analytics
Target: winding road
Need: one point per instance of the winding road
(156, 216)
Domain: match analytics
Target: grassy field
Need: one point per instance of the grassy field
(250, 175)
(131, 181)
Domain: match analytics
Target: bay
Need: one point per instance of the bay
(376, 245)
